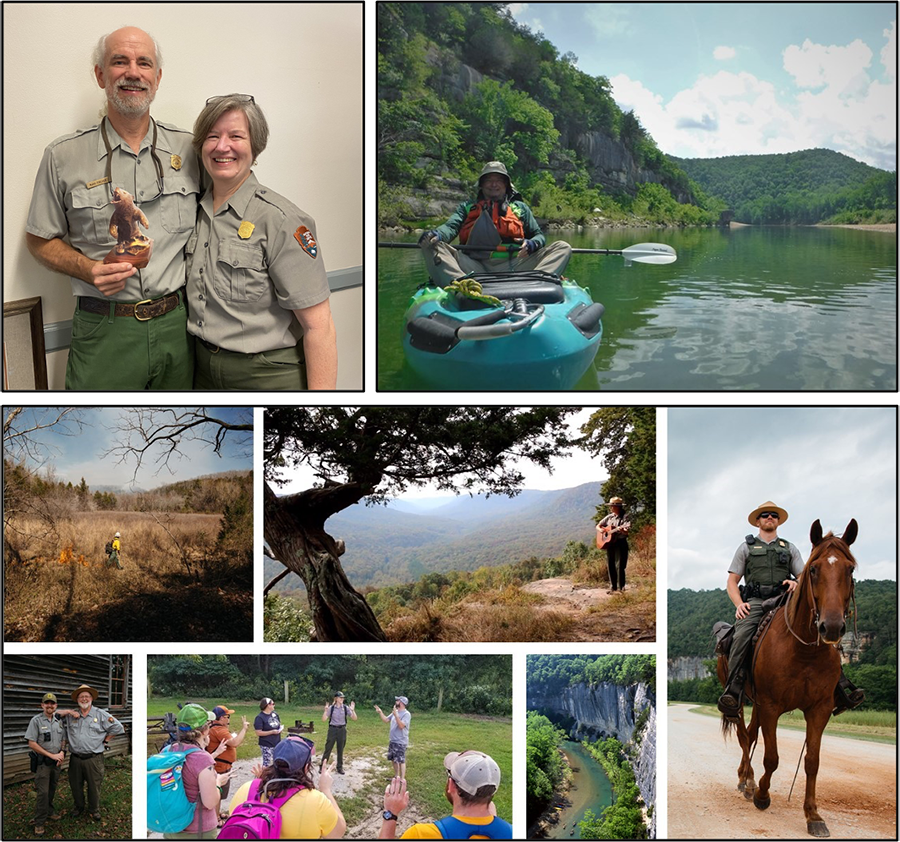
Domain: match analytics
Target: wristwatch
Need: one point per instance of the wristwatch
(388, 816)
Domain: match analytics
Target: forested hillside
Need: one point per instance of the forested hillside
(462, 83)
(805, 187)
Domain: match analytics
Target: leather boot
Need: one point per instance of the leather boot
(846, 695)
(730, 701)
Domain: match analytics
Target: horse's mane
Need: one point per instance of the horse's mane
(828, 542)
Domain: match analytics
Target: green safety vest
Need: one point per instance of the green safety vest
(767, 564)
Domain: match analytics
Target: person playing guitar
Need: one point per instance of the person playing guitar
(612, 535)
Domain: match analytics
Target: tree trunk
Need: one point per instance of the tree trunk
(294, 530)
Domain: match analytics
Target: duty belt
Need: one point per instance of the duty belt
(757, 591)
(86, 756)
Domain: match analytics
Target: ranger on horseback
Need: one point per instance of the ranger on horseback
(769, 566)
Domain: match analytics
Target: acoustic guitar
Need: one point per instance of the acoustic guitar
(605, 535)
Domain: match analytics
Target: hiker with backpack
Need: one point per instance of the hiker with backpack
(113, 548)
(472, 781)
(194, 804)
(336, 715)
(284, 803)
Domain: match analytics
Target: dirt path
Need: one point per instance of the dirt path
(856, 787)
(601, 615)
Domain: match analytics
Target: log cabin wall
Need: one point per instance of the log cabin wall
(27, 677)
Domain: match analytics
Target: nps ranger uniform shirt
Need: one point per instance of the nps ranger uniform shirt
(73, 201)
(86, 734)
(249, 264)
(47, 733)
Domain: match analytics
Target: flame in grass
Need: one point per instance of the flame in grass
(67, 556)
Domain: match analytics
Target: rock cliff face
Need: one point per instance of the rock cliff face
(686, 668)
(611, 165)
(608, 710)
(609, 162)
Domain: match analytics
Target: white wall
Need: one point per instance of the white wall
(301, 61)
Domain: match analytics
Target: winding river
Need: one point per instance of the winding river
(591, 790)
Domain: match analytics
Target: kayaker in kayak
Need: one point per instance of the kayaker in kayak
(500, 222)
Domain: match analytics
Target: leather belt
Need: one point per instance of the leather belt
(143, 311)
(86, 756)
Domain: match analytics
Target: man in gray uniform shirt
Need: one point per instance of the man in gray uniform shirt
(88, 731)
(129, 328)
(46, 738)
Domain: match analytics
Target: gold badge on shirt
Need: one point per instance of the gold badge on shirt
(246, 230)
(176, 162)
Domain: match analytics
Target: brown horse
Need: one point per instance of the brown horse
(796, 666)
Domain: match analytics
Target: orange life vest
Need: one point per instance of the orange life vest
(508, 225)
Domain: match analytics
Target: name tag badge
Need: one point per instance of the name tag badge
(97, 183)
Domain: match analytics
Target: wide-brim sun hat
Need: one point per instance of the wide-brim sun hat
(84, 687)
(768, 506)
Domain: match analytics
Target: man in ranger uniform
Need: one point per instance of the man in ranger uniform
(500, 230)
(88, 732)
(46, 738)
(129, 328)
(769, 566)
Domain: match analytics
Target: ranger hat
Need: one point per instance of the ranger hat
(768, 506)
(339, 694)
(78, 690)
(614, 501)
(48, 697)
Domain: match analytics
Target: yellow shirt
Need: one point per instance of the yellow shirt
(307, 815)
(117, 545)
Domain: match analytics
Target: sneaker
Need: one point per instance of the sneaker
(39, 830)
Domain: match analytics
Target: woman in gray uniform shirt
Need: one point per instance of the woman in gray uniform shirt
(257, 289)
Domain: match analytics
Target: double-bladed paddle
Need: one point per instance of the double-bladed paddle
(657, 253)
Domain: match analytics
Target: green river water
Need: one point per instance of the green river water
(591, 790)
(748, 308)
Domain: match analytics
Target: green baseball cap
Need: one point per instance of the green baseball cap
(49, 697)
(192, 717)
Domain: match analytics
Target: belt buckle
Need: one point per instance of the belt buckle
(145, 301)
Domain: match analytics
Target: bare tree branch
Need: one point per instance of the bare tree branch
(160, 434)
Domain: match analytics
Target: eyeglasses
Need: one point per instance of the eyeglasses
(238, 97)
(770, 514)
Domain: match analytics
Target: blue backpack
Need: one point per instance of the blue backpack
(451, 827)
(168, 808)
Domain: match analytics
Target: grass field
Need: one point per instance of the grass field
(174, 585)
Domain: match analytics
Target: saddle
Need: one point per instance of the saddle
(724, 632)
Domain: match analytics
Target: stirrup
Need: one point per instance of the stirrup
(844, 700)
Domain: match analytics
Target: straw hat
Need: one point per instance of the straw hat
(768, 506)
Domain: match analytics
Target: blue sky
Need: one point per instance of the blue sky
(75, 453)
(713, 79)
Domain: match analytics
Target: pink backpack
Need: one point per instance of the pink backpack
(255, 819)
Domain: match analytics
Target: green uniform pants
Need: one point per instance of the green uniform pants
(119, 352)
(281, 370)
(45, 781)
(743, 637)
(88, 772)
(452, 263)
(113, 560)
(337, 734)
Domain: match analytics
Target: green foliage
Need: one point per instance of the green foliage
(544, 763)
(797, 188)
(104, 500)
(528, 109)
(622, 820)
(505, 124)
(566, 670)
(473, 684)
(626, 439)
(285, 621)
(383, 450)
(237, 522)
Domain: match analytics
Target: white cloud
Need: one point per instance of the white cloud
(516, 9)
(889, 52)
(724, 53)
(836, 104)
(608, 20)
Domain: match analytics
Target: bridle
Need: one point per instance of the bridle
(815, 611)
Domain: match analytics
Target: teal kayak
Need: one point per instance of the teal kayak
(541, 334)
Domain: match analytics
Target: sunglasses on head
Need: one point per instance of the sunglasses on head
(770, 514)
